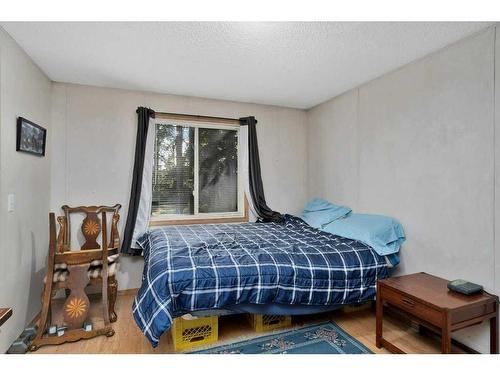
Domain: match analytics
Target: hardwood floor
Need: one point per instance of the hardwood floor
(128, 338)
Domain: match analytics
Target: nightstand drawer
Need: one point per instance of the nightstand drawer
(411, 306)
(471, 312)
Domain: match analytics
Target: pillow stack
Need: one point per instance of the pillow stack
(319, 212)
(382, 233)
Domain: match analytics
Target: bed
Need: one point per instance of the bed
(191, 268)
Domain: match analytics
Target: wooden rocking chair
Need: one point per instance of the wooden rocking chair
(91, 228)
(74, 270)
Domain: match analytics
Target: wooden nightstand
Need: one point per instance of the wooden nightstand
(427, 300)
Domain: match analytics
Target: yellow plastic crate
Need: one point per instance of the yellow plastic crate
(262, 323)
(356, 307)
(187, 334)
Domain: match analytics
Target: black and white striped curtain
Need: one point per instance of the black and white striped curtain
(139, 208)
(256, 187)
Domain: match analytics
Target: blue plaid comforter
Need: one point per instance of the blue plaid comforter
(197, 267)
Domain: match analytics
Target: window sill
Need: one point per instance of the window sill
(214, 220)
(241, 217)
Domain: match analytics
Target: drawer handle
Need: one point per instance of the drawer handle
(408, 302)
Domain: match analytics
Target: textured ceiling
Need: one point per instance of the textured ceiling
(293, 64)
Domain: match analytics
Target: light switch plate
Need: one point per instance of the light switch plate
(11, 202)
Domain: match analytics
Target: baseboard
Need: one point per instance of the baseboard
(128, 292)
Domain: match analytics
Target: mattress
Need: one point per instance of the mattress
(266, 309)
(201, 267)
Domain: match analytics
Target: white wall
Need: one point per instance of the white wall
(24, 91)
(418, 145)
(93, 142)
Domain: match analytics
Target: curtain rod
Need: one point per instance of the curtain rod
(184, 116)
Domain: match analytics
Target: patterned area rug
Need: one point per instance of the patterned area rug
(324, 338)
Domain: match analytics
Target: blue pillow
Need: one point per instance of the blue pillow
(319, 212)
(392, 259)
(384, 234)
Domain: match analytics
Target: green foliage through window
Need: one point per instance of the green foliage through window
(174, 170)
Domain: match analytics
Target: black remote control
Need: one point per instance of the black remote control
(464, 287)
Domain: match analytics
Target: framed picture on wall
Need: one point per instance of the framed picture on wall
(30, 137)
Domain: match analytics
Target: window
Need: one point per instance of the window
(195, 172)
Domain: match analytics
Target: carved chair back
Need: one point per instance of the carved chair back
(91, 227)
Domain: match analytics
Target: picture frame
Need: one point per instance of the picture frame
(31, 138)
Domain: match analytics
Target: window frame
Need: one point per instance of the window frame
(241, 215)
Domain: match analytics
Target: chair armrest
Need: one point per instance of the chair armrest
(115, 236)
(62, 237)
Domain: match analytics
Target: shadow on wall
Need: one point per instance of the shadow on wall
(130, 272)
(35, 285)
